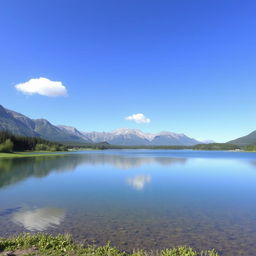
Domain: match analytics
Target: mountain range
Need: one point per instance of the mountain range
(129, 137)
(19, 124)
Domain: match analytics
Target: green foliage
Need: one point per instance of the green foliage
(41, 147)
(186, 251)
(250, 148)
(104, 145)
(61, 245)
(45, 147)
(6, 146)
(179, 251)
(216, 146)
(21, 143)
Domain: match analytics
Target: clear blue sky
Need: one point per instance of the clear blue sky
(188, 65)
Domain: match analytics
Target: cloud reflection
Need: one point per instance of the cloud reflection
(39, 219)
(138, 182)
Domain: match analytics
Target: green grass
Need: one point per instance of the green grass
(63, 245)
(38, 153)
(17, 155)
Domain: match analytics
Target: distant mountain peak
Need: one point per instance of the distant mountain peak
(128, 136)
(125, 130)
(137, 132)
(208, 141)
(42, 120)
(167, 133)
(68, 128)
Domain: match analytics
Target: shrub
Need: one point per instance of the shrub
(7, 146)
(41, 147)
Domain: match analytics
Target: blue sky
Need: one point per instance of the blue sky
(187, 65)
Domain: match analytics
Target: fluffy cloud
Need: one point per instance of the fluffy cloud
(138, 118)
(42, 86)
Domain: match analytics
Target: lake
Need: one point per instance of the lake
(148, 199)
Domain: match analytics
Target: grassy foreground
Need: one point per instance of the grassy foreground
(19, 155)
(43, 244)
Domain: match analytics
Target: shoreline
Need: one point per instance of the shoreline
(56, 153)
(45, 244)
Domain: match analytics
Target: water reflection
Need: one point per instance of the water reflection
(138, 182)
(204, 202)
(9, 211)
(14, 170)
(39, 219)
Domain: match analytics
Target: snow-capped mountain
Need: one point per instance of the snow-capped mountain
(125, 136)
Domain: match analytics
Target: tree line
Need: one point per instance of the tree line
(10, 143)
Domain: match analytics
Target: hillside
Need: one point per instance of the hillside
(249, 139)
(19, 124)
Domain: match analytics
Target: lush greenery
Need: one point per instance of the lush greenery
(216, 146)
(10, 142)
(32, 154)
(43, 244)
(250, 148)
(6, 146)
(212, 146)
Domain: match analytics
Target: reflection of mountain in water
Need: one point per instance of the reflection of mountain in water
(125, 162)
(39, 219)
(18, 169)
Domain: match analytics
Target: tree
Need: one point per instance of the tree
(7, 146)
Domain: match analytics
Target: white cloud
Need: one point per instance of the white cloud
(138, 118)
(42, 86)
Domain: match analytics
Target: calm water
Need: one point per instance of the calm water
(135, 198)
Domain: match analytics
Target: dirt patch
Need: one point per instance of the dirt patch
(24, 252)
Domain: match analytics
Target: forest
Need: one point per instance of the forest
(10, 143)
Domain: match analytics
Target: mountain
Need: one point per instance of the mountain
(249, 139)
(208, 141)
(74, 132)
(16, 123)
(19, 124)
(134, 137)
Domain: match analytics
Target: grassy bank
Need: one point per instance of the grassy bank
(19, 155)
(42, 245)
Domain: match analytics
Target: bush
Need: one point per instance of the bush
(41, 147)
(7, 146)
(250, 148)
(53, 148)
